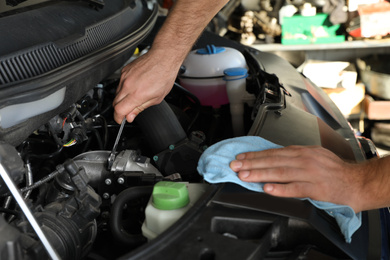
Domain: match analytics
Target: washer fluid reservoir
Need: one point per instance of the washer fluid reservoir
(204, 72)
(169, 202)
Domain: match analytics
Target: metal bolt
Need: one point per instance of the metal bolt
(105, 214)
(121, 180)
(107, 181)
(106, 195)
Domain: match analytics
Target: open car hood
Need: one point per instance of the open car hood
(56, 130)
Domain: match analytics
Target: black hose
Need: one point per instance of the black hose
(44, 156)
(98, 139)
(105, 129)
(121, 200)
(160, 127)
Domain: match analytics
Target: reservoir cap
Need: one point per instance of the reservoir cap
(210, 49)
(170, 195)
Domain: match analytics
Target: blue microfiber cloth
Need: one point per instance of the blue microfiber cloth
(214, 163)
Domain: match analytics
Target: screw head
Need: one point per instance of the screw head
(107, 181)
(106, 195)
(121, 180)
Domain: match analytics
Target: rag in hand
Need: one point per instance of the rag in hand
(214, 166)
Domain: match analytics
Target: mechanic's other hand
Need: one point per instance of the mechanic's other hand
(143, 83)
(299, 171)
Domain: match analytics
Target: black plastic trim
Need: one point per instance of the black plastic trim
(15, 93)
(78, 77)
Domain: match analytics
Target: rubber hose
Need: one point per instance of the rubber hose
(117, 230)
(161, 127)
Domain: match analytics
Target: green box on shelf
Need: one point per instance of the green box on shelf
(316, 29)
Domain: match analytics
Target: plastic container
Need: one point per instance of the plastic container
(236, 89)
(169, 202)
(315, 29)
(203, 74)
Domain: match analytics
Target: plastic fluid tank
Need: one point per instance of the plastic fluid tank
(236, 90)
(203, 75)
(169, 201)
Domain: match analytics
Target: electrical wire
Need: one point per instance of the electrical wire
(36, 184)
(93, 108)
(70, 143)
(44, 156)
(11, 212)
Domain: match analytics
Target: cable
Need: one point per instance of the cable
(36, 184)
(105, 129)
(11, 212)
(95, 106)
(44, 156)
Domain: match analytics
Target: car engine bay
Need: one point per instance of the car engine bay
(63, 165)
(57, 132)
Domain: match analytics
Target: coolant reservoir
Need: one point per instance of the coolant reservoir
(169, 201)
(203, 75)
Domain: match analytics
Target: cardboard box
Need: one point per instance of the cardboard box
(374, 19)
(376, 110)
(349, 100)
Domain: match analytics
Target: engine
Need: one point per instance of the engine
(62, 171)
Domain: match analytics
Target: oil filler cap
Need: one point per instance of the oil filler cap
(170, 195)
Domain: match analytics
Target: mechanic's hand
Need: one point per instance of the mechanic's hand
(313, 172)
(144, 83)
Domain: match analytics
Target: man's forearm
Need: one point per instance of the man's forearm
(147, 80)
(184, 24)
(377, 183)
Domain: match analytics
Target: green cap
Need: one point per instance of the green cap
(170, 195)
